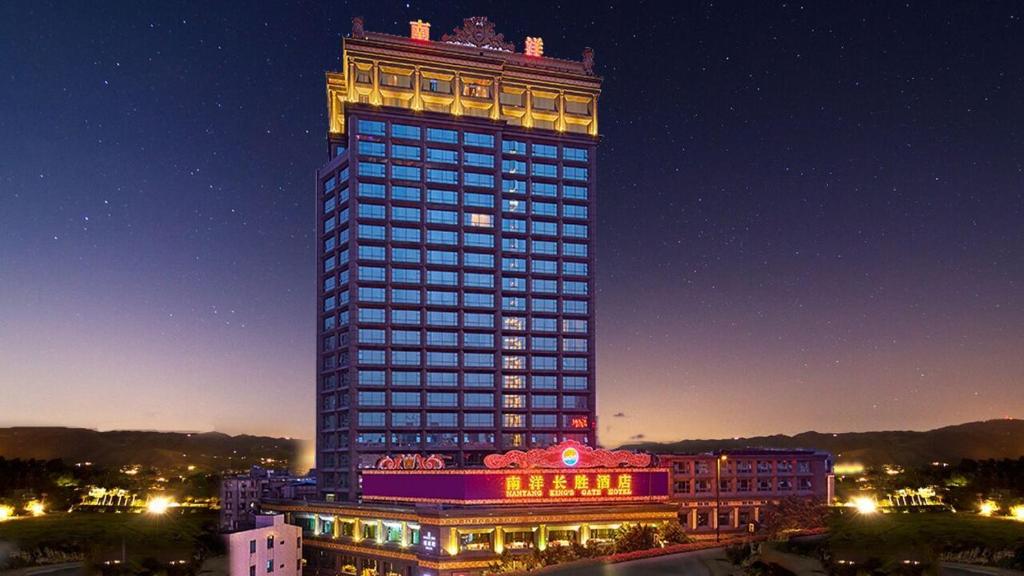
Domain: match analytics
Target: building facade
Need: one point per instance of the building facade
(270, 547)
(455, 251)
(728, 491)
(458, 522)
(241, 494)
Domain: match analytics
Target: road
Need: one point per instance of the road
(702, 563)
(69, 569)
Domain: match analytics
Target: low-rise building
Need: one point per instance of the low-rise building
(419, 518)
(727, 490)
(241, 494)
(271, 547)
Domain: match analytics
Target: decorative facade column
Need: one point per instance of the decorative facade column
(457, 85)
(496, 99)
(560, 123)
(357, 530)
(375, 97)
(528, 117)
(499, 539)
(417, 100)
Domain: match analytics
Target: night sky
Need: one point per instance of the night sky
(811, 216)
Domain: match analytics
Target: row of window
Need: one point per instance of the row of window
(404, 399)
(439, 359)
(451, 218)
(741, 485)
(476, 139)
(742, 467)
(472, 200)
(469, 340)
(406, 193)
(372, 377)
(451, 320)
(450, 439)
(369, 419)
(476, 179)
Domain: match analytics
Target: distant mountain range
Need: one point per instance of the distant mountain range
(975, 440)
(218, 452)
(210, 451)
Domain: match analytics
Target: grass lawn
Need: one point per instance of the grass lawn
(911, 535)
(171, 536)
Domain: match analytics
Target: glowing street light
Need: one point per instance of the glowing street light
(1017, 513)
(158, 505)
(988, 508)
(35, 508)
(865, 504)
(6, 512)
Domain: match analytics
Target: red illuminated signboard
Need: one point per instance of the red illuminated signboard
(517, 486)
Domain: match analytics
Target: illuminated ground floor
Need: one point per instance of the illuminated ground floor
(378, 540)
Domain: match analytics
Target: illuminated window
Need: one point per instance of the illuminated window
(436, 85)
(541, 102)
(513, 401)
(476, 88)
(479, 220)
(396, 79)
(514, 420)
(512, 381)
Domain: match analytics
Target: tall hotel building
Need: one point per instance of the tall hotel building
(455, 227)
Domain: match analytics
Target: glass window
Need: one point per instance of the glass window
(575, 173)
(442, 155)
(405, 131)
(403, 152)
(443, 217)
(370, 190)
(441, 135)
(477, 320)
(545, 151)
(545, 189)
(404, 316)
(371, 148)
(405, 234)
(478, 139)
(578, 154)
(479, 180)
(405, 214)
(545, 170)
(371, 169)
(478, 200)
(405, 193)
(442, 176)
(478, 159)
(370, 127)
(405, 172)
(574, 192)
(447, 237)
(442, 196)
(513, 147)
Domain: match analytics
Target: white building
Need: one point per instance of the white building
(272, 547)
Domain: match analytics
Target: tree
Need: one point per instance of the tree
(634, 537)
(671, 532)
(792, 514)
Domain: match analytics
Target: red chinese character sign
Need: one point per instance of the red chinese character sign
(567, 472)
(568, 454)
(517, 486)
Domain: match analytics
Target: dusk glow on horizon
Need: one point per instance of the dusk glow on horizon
(809, 217)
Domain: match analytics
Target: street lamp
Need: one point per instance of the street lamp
(718, 494)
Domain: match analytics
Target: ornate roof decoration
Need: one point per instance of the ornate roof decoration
(588, 60)
(568, 454)
(478, 32)
(357, 27)
(411, 462)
